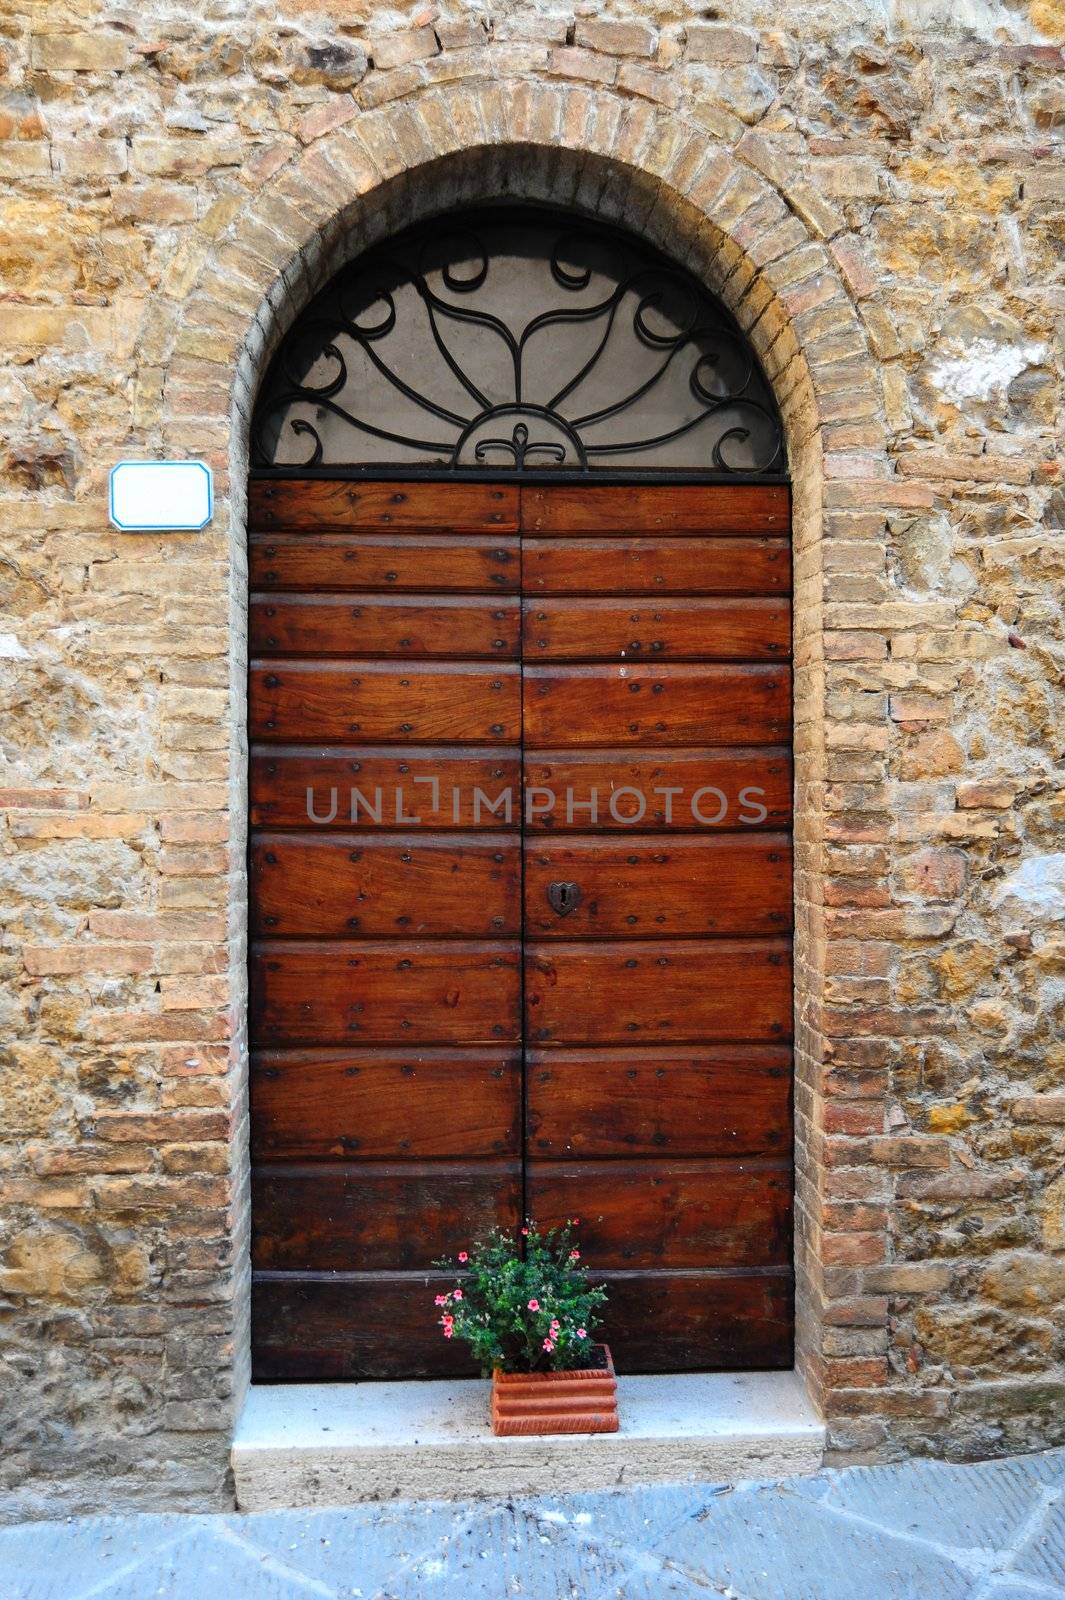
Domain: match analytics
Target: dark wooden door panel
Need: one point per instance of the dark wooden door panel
(699, 1321)
(739, 508)
(656, 630)
(669, 991)
(324, 1326)
(388, 701)
(339, 885)
(669, 1213)
(321, 506)
(386, 1117)
(671, 790)
(358, 787)
(385, 1105)
(640, 887)
(357, 563)
(654, 567)
(435, 627)
(377, 1218)
(658, 1102)
(395, 993)
(347, 1327)
(682, 705)
(426, 656)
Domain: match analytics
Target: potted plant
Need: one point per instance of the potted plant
(528, 1313)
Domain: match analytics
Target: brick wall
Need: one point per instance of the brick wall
(884, 212)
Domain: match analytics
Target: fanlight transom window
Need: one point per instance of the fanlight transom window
(517, 339)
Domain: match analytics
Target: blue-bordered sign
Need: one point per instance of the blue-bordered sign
(161, 496)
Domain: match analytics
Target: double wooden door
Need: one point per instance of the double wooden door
(520, 916)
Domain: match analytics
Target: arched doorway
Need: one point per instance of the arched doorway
(520, 798)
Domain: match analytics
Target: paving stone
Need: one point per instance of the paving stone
(208, 1562)
(60, 1560)
(366, 1550)
(772, 1545)
(649, 1580)
(1021, 1590)
(1043, 1555)
(622, 1518)
(537, 1551)
(979, 1507)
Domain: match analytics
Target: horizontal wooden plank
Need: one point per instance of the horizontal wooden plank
(319, 504)
(672, 508)
(656, 629)
(676, 790)
(635, 566)
(378, 1326)
(655, 1213)
(384, 1105)
(377, 1218)
(321, 1326)
(398, 886)
(350, 993)
(643, 888)
(364, 788)
(699, 1322)
(387, 701)
(439, 627)
(681, 992)
(722, 1101)
(360, 563)
(681, 705)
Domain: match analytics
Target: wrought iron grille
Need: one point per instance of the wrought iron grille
(516, 340)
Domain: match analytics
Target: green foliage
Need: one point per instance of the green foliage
(523, 1305)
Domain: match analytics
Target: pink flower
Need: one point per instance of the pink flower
(534, 1305)
(525, 1233)
(449, 1332)
(575, 1255)
(441, 1300)
(456, 1294)
(464, 1255)
(555, 1325)
(582, 1333)
(548, 1345)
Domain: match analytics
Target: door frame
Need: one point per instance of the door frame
(595, 173)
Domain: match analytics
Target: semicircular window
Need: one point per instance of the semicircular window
(516, 339)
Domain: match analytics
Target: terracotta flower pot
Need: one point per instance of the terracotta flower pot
(585, 1401)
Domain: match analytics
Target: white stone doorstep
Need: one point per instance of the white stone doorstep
(337, 1443)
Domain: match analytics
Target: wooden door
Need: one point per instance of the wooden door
(441, 1037)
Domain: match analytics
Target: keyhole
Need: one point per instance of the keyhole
(563, 897)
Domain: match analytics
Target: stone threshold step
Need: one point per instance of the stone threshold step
(332, 1444)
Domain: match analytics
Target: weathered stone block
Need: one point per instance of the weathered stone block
(102, 50)
(616, 38)
(712, 41)
(399, 47)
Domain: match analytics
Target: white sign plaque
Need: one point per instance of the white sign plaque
(161, 496)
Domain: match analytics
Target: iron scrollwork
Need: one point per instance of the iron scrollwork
(517, 340)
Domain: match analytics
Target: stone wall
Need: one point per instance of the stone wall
(878, 192)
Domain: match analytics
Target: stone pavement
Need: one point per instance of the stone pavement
(921, 1531)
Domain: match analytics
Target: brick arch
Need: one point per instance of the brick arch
(763, 251)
